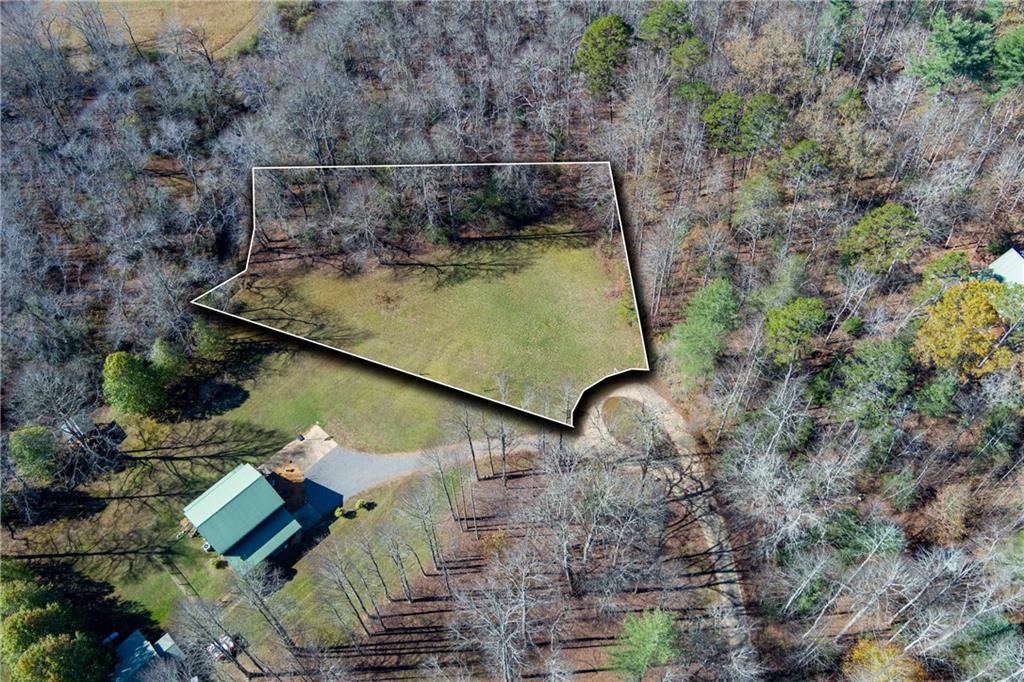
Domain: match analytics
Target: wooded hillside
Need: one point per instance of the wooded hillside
(811, 194)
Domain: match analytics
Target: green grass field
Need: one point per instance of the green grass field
(562, 317)
(364, 407)
(158, 591)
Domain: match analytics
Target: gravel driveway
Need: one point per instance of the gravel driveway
(341, 474)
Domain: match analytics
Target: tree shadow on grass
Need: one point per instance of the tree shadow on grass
(104, 612)
(132, 524)
(272, 302)
(491, 256)
(211, 385)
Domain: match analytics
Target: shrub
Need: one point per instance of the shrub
(935, 398)
(647, 640)
(900, 490)
(871, 661)
(853, 325)
(949, 513)
(218, 563)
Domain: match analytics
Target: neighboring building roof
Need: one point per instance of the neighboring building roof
(166, 646)
(1009, 267)
(242, 517)
(78, 424)
(134, 655)
(234, 506)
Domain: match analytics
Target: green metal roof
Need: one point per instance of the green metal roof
(233, 506)
(263, 540)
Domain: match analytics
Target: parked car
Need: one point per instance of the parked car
(222, 648)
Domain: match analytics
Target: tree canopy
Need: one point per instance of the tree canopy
(871, 660)
(710, 315)
(884, 237)
(1008, 68)
(130, 384)
(35, 452)
(722, 118)
(603, 51)
(790, 328)
(23, 628)
(941, 273)
(761, 124)
(963, 332)
(873, 378)
(666, 25)
(57, 658)
(758, 205)
(957, 46)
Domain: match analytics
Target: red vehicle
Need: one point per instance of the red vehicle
(224, 646)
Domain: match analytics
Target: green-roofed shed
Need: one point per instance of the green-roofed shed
(242, 517)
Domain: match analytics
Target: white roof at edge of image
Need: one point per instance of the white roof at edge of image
(1009, 267)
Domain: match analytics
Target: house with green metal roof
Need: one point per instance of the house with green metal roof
(243, 518)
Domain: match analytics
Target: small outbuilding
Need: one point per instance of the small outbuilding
(243, 518)
(1009, 268)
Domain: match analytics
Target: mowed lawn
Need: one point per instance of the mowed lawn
(227, 25)
(364, 407)
(562, 319)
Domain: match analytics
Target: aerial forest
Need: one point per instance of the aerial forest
(811, 194)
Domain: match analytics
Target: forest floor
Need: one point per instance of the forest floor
(542, 314)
